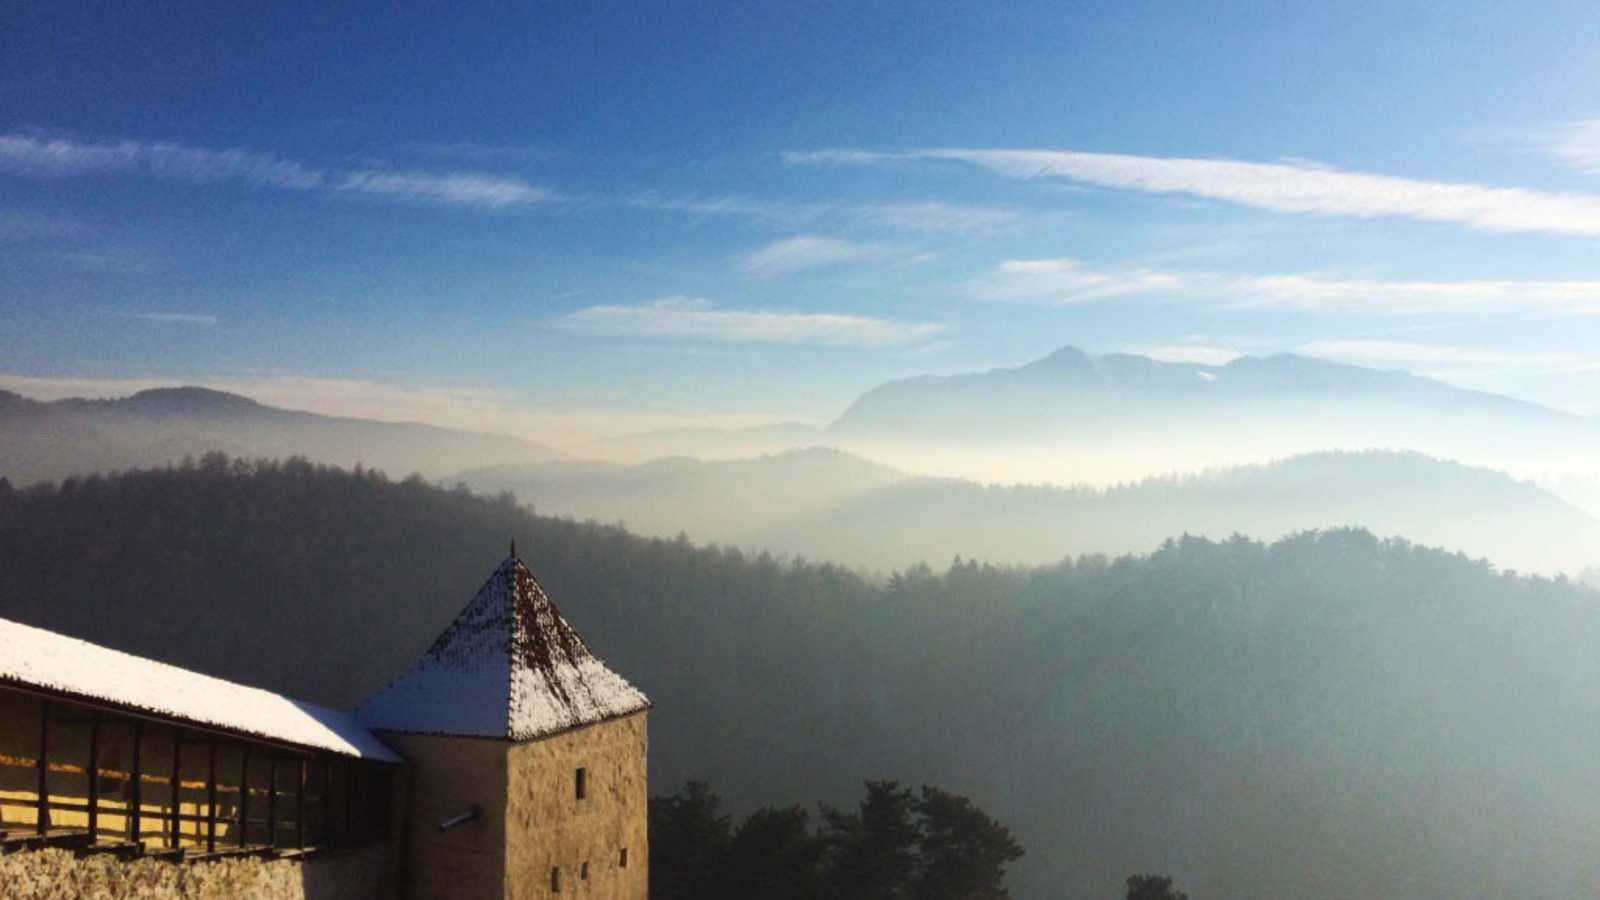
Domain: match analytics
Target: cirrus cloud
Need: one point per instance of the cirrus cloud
(808, 252)
(696, 318)
(453, 188)
(1065, 281)
(37, 157)
(58, 158)
(1578, 145)
(1285, 187)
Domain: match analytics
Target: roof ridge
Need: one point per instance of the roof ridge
(551, 681)
(513, 563)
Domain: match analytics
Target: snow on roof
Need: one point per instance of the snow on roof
(510, 666)
(44, 660)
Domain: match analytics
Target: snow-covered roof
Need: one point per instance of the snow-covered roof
(509, 666)
(43, 660)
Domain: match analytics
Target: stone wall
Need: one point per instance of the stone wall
(448, 776)
(548, 827)
(54, 874)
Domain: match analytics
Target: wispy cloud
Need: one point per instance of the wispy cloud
(453, 188)
(838, 157)
(1577, 144)
(933, 217)
(1309, 292)
(808, 252)
(172, 318)
(1068, 281)
(37, 157)
(56, 158)
(1063, 281)
(694, 318)
(1288, 187)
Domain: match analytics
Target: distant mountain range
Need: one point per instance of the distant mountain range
(866, 499)
(827, 504)
(46, 441)
(1074, 417)
(1072, 393)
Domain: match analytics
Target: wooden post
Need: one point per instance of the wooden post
(244, 797)
(272, 800)
(327, 801)
(136, 792)
(43, 812)
(93, 771)
(211, 796)
(300, 809)
(349, 801)
(177, 780)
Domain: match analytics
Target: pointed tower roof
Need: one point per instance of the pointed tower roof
(509, 666)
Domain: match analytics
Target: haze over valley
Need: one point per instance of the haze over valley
(1139, 450)
(1164, 438)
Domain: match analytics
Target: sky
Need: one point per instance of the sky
(568, 220)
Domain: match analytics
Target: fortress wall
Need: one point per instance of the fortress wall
(448, 775)
(548, 827)
(67, 779)
(55, 874)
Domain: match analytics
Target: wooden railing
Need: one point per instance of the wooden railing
(298, 809)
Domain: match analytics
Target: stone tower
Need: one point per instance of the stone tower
(527, 754)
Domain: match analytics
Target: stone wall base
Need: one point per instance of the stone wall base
(56, 874)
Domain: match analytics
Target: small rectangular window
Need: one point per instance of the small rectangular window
(555, 880)
(583, 783)
(622, 861)
(583, 871)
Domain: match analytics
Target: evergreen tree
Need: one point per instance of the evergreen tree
(873, 852)
(773, 855)
(1153, 887)
(964, 851)
(689, 841)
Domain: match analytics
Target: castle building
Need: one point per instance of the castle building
(507, 762)
(510, 720)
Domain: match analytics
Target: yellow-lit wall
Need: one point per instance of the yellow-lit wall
(68, 779)
(548, 827)
(530, 819)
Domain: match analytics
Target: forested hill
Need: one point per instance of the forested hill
(1329, 715)
(831, 505)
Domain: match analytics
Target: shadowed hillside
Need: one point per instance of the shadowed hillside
(1330, 715)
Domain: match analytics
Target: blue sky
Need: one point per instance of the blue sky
(567, 220)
